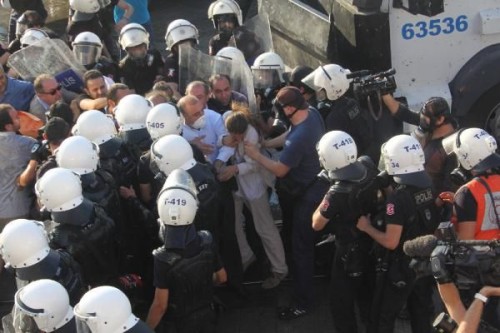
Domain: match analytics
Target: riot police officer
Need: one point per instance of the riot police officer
(80, 155)
(267, 71)
(48, 298)
(82, 227)
(107, 309)
(172, 152)
(474, 202)
(348, 198)
(24, 246)
(179, 33)
(186, 265)
(410, 212)
(226, 16)
(163, 119)
(87, 48)
(141, 67)
(339, 111)
(131, 113)
(114, 157)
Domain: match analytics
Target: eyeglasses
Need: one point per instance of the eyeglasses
(53, 91)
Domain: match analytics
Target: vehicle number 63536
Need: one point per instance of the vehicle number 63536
(434, 27)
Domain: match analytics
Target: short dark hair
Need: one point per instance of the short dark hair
(216, 77)
(91, 75)
(113, 91)
(33, 19)
(62, 110)
(5, 118)
(56, 130)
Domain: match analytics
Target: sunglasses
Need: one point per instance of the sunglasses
(53, 91)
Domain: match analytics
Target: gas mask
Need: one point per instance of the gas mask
(427, 127)
(459, 176)
(281, 120)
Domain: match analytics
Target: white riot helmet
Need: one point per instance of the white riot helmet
(332, 78)
(164, 119)
(177, 201)
(46, 302)
(133, 34)
(267, 70)
(87, 48)
(95, 126)
(59, 190)
(88, 6)
(225, 10)
(171, 152)
(131, 112)
(404, 159)
(104, 310)
(78, 154)
(178, 31)
(232, 53)
(338, 154)
(31, 36)
(475, 149)
(24, 243)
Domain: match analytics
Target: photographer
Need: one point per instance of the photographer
(468, 321)
(435, 123)
(409, 212)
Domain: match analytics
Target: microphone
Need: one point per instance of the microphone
(421, 246)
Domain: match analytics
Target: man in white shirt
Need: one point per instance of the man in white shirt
(204, 127)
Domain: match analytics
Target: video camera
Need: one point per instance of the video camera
(365, 84)
(470, 263)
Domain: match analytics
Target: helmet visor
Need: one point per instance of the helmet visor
(266, 78)
(87, 54)
(85, 323)
(27, 319)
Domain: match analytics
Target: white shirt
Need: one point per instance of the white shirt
(251, 177)
(213, 131)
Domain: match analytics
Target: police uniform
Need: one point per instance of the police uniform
(92, 245)
(346, 115)
(352, 275)
(473, 203)
(117, 160)
(412, 208)
(187, 274)
(140, 74)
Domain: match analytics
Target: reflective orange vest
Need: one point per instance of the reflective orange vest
(486, 216)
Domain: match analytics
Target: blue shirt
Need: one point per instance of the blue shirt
(18, 94)
(299, 152)
(140, 15)
(15, 153)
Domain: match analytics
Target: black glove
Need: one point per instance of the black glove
(38, 152)
(438, 265)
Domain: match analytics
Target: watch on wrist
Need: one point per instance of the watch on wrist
(481, 297)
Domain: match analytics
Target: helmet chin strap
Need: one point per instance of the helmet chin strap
(290, 116)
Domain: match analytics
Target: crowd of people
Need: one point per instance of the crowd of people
(156, 180)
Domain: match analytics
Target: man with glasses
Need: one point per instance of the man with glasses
(47, 92)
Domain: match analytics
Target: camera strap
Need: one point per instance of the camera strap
(485, 184)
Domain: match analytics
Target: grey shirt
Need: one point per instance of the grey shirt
(15, 153)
